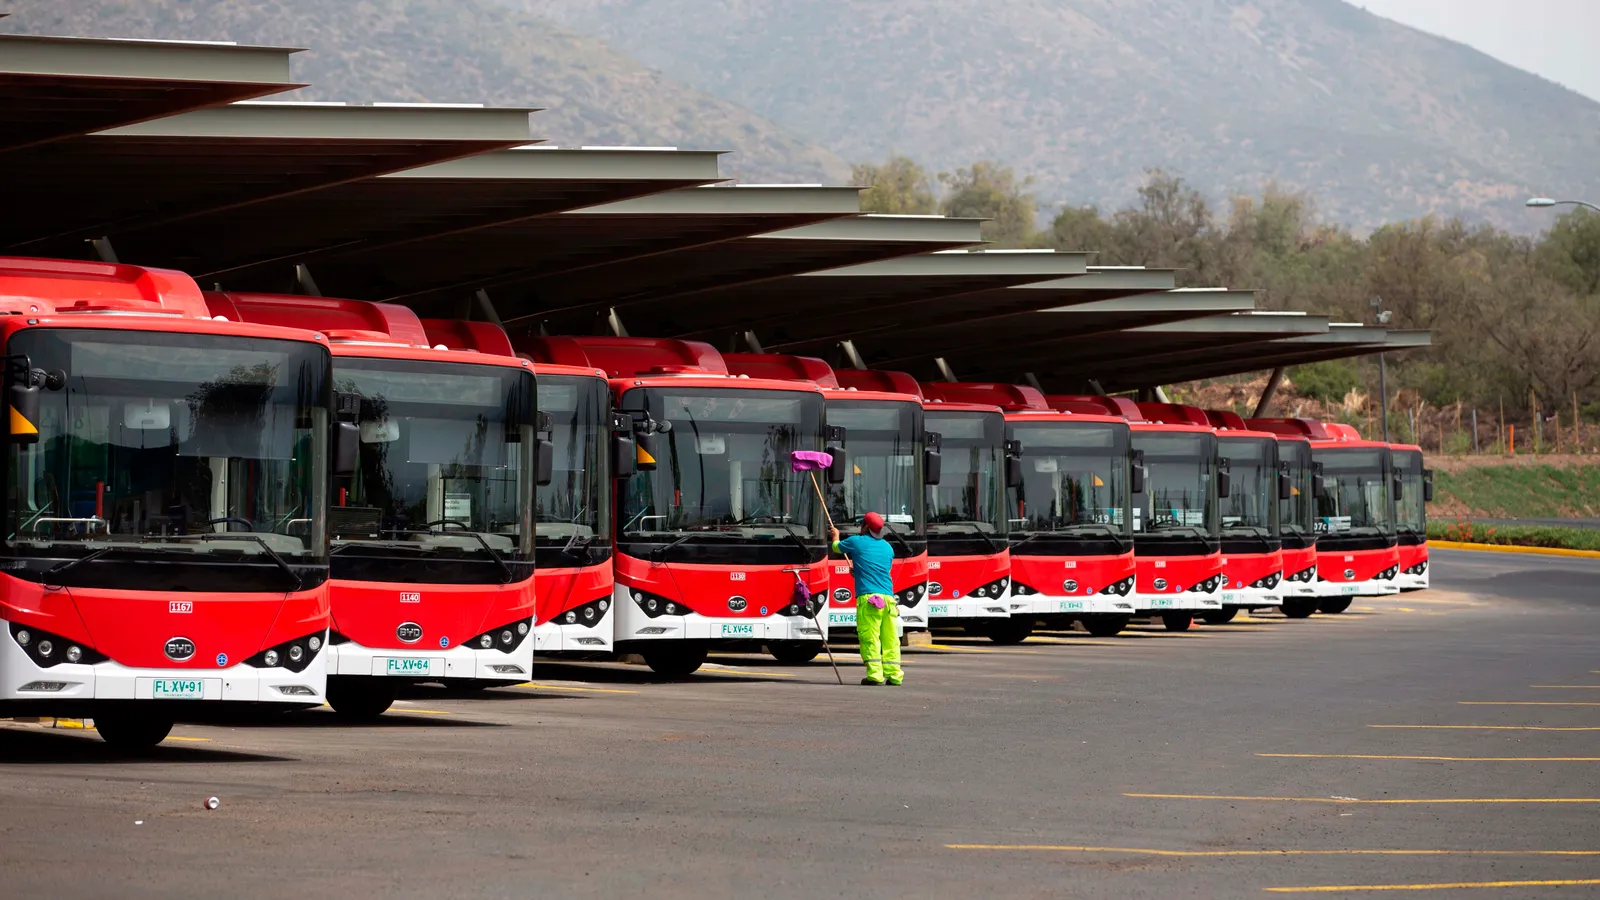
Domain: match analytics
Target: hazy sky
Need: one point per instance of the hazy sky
(1553, 38)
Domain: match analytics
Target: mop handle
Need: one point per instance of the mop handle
(821, 499)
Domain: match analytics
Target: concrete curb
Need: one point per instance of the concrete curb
(1513, 548)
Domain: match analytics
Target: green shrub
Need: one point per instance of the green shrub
(1327, 381)
(1515, 535)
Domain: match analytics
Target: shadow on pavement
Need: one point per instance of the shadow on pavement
(50, 746)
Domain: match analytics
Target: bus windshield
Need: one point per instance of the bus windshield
(1358, 498)
(883, 446)
(1298, 514)
(1410, 511)
(724, 488)
(572, 515)
(1075, 483)
(1251, 507)
(1178, 498)
(443, 490)
(209, 449)
(965, 512)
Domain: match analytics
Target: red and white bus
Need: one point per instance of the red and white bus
(890, 462)
(1252, 526)
(1411, 515)
(1358, 552)
(1069, 512)
(712, 527)
(432, 557)
(1297, 519)
(166, 502)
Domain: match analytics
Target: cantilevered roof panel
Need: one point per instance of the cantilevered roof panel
(526, 265)
(53, 88)
(814, 308)
(672, 294)
(155, 173)
(1341, 341)
(401, 213)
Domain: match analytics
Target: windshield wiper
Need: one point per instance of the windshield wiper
(62, 568)
(994, 546)
(484, 542)
(208, 536)
(904, 545)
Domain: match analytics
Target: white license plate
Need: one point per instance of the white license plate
(1161, 603)
(1229, 597)
(741, 630)
(408, 666)
(939, 609)
(842, 618)
(174, 688)
(1069, 606)
(1348, 589)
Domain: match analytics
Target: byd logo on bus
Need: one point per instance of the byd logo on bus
(179, 649)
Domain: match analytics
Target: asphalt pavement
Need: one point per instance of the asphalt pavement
(1448, 737)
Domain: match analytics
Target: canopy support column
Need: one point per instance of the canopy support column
(945, 372)
(1265, 403)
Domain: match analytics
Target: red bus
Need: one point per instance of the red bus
(1252, 523)
(1298, 520)
(166, 491)
(432, 557)
(1411, 515)
(1069, 512)
(711, 527)
(572, 514)
(1358, 552)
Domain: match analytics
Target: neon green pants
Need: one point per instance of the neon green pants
(880, 646)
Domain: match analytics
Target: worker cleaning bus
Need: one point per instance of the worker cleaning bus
(871, 558)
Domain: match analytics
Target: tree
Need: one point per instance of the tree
(992, 191)
(898, 187)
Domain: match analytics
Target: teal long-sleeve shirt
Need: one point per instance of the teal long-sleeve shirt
(871, 560)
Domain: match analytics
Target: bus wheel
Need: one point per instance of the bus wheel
(794, 652)
(1104, 626)
(675, 660)
(361, 698)
(1177, 621)
(1219, 616)
(1299, 607)
(1009, 631)
(131, 732)
(1335, 605)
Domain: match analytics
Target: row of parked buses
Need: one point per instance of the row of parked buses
(219, 500)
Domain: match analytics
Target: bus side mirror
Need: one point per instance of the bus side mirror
(624, 452)
(346, 446)
(1013, 463)
(23, 398)
(1319, 482)
(1285, 484)
(1427, 485)
(1136, 473)
(545, 463)
(1397, 484)
(1224, 480)
(833, 438)
(932, 457)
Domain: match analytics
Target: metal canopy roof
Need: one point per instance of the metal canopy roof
(59, 87)
(814, 307)
(672, 294)
(153, 174)
(1341, 341)
(397, 213)
(520, 262)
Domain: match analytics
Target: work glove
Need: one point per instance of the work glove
(877, 601)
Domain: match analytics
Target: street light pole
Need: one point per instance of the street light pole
(1546, 203)
(1382, 316)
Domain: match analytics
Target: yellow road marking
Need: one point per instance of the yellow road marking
(1435, 758)
(1146, 851)
(426, 712)
(1526, 703)
(585, 690)
(1498, 727)
(1443, 886)
(1349, 800)
(1568, 687)
(195, 740)
(735, 670)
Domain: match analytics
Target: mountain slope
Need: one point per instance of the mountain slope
(1377, 120)
(460, 51)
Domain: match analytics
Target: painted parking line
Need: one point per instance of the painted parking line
(582, 690)
(1567, 687)
(186, 738)
(1438, 886)
(1432, 758)
(1416, 800)
(715, 669)
(1526, 703)
(425, 712)
(1499, 727)
(1148, 851)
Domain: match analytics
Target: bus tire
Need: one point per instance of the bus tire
(794, 653)
(1219, 616)
(132, 732)
(361, 698)
(1299, 607)
(1104, 626)
(1334, 605)
(675, 660)
(1177, 621)
(1009, 631)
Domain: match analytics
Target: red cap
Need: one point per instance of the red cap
(873, 521)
